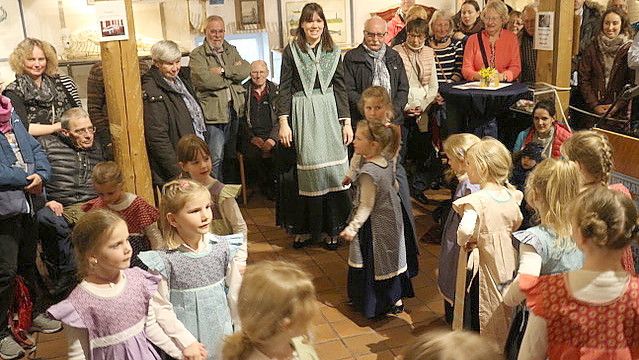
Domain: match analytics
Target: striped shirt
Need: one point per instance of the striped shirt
(71, 88)
(449, 61)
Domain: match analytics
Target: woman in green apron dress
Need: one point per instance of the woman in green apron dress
(314, 131)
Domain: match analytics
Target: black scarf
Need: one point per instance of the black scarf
(44, 104)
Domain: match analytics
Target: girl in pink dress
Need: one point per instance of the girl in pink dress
(592, 313)
(116, 312)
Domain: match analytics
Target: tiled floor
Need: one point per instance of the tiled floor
(339, 332)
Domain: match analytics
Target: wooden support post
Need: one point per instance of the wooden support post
(124, 103)
(553, 67)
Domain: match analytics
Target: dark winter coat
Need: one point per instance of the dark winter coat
(592, 83)
(358, 76)
(166, 120)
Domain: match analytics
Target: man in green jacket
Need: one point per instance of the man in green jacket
(217, 72)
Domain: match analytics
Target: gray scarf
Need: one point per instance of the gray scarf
(609, 48)
(381, 77)
(191, 104)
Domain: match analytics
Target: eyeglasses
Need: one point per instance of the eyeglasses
(216, 32)
(374, 35)
(413, 35)
(88, 130)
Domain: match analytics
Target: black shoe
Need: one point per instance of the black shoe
(422, 199)
(331, 243)
(396, 309)
(300, 242)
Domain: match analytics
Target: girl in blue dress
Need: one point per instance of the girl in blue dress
(547, 248)
(198, 265)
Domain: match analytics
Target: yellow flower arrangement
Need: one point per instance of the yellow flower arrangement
(488, 77)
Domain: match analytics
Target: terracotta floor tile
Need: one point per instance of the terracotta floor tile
(332, 350)
(332, 314)
(319, 319)
(267, 220)
(256, 212)
(398, 351)
(383, 355)
(51, 349)
(323, 283)
(437, 306)
(347, 328)
(333, 267)
(323, 333)
(365, 344)
(398, 336)
(255, 237)
(276, 234)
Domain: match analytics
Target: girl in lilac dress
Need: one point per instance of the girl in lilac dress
(116, 311)
(455, 148)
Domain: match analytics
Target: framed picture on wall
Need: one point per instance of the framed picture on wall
(338, 17)
(12, 29)
(249, 14)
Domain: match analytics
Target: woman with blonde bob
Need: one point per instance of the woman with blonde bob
(443, 345)
(547, 248)
(276, 306)
(39, 94)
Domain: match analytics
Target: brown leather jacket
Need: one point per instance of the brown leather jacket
(592, 83)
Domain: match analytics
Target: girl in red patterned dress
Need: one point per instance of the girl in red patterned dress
(592, 313)
(140, 217)
(593, 154)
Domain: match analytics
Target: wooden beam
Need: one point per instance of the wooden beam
(124, 103)
(553, 67)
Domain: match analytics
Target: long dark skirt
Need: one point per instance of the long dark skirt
(371, 297)
(307, 214)
(516, 333)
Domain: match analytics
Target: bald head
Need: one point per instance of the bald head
(259, 73)
(374, 32)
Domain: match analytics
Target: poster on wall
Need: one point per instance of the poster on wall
(544, 30)
(11, 26)
(338, 18)
(112, 22)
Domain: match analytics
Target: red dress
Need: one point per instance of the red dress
(578, 330)
(138, 216)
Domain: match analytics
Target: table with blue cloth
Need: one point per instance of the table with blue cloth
(483, 112)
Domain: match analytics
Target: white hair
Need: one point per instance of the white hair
(166, 51)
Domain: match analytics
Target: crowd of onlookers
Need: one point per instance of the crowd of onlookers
(382, 96)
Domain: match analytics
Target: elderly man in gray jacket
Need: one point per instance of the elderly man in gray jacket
(217, 72)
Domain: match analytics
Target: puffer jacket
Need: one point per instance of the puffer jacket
(71, 168)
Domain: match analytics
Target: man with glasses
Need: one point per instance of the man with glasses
(375, 63)
(72, 153)
(259, 129)
(217, 72)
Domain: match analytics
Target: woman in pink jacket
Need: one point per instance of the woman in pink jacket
(501, 47)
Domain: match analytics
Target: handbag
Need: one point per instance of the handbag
(12, 203)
